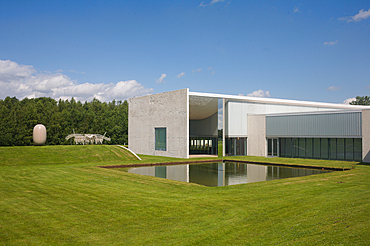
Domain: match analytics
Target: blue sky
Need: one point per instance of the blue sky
(304, 50)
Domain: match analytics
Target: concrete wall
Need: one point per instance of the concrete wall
(366, 135)
(256, 142)
(170, 110)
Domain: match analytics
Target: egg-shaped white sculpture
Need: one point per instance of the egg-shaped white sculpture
(39, 134)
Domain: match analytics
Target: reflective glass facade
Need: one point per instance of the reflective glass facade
(203, 146)
(235, 146)
(272, 146)
(349, 149)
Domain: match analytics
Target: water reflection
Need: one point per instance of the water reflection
(221, 174)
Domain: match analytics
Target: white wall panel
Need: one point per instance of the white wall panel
(237, 119)
(237, 114)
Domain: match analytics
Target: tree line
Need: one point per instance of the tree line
(365, 100)
(61, 118)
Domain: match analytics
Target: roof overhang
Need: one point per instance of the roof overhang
(277, 101)
(201, 107)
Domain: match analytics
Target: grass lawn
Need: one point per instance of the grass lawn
(57, 195)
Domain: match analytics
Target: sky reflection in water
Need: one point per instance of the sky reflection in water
(222, 174)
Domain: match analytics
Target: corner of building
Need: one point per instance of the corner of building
(256, 143)
(366, 135)
(168, 110)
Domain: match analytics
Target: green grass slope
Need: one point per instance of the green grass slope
(63, 154)
(44, 201)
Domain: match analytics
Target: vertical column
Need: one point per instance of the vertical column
(187, 123)
(223, 127)
(257, 142)
(366, 135)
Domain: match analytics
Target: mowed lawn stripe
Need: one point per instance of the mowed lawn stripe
(81, 204)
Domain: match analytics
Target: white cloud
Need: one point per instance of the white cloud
(211, 3)
(24, 81)
(216, 1)
(362, 15)
(73, 71)
(333, 88)
(331, 42)
(12, 71)
(161, 79)
(202, 4)
(296, 9)
(197, 70)
(45, 83)
(126, 89)
(347, 101)
(211, 69)
(259, 93)
(180, 75)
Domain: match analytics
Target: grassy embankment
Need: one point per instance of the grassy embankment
(56, 195)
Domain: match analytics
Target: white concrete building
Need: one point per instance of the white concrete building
(182, 123)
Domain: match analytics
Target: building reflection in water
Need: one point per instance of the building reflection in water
(222, 174)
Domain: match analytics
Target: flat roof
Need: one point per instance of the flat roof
(279, 101)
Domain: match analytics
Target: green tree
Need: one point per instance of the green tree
(365, 100)
(60, 118)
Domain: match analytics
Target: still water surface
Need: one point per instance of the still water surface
(222, 174)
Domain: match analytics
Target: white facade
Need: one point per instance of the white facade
(190, 114)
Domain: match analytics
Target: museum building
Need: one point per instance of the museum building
(182, 123)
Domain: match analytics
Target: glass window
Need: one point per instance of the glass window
(160, 138)
(228, 146)
(309, 148)
(340, 148)
(302, 147)
(288, 147)
(282, 147)
(333, 148)
(203, 145)
(349, 149)
(237, 146)
(357, 143)
(274, 147)
(234, 146)
(242, 146)
(324, 148)
(231, 148)
(316, 148)
(269, 146)
(295, 148)
(245, 146)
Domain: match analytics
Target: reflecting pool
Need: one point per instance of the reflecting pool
(222, 174)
